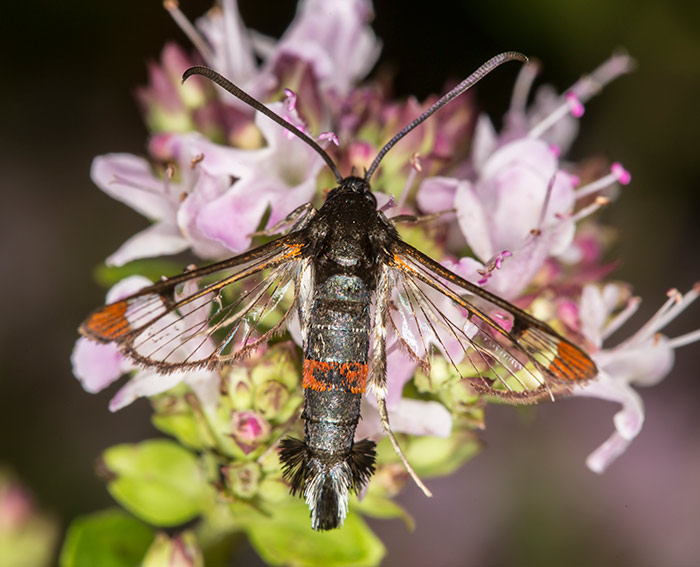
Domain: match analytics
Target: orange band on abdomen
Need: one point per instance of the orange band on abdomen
(318, 375)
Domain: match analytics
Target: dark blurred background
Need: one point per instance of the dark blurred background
(68, 76)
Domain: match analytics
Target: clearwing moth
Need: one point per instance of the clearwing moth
(336, 263)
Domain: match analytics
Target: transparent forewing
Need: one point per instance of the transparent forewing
(209, 316)
(502, 349)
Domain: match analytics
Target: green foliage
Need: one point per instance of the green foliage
(158, 481)
(287, 539)
(379, 506)
(151, 268)
(111, 538)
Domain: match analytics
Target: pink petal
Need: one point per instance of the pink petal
(129, 179)
(230, 219)
(207, 190)
(334, 36)
(288, 199)
(126, 287)
(418, 417)
(96, 365)
(645, 364)
(484, 143)
(437, 194)
(473, 222)
(513, 187)
(466, 267)
(230, 42)
(628, 421)
(415, 417)
(206, 386)
(144, 384)
(157, 240)
(593, 314)
(600, 459)
(517, 271)
(564, 131)
(399, 370)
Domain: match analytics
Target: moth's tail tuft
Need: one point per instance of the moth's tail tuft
(362, 457)
(294, 457)
(325, 479)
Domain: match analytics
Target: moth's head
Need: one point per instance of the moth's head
(324, 479)
(352, 186)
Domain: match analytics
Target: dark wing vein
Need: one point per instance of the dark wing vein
(209, 316)
(509, 353)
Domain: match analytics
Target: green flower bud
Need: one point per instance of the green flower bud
(270, 398)
(277, 364)
(442, 373)
(243, 479)
(240, 388)
(180, 551)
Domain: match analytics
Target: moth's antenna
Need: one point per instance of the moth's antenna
(465, 85)
(224, 83)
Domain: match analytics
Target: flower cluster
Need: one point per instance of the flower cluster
(515, 217)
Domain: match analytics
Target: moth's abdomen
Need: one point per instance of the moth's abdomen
(335, 362)
(328, 464)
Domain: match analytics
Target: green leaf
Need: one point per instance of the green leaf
(385, 508)
(151, 268)
(158, 481)
(182, 426)
(287, 539)
(434, 456)
(111, 538)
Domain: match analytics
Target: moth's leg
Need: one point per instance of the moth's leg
(413, 219)
(384, 417)
(377, 376)
(377, 368)
(294, 219)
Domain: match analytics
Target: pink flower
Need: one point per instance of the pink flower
(280, 176)
(97, 365)
(515, 208)
(131, 180)
(644, 359)
(552, 117)
(333, 36)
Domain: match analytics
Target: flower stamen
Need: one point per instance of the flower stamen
(290, 99)
(200, 44)
(622, 317)
(618, 174)
(672, 308)
(494, 263)
(599, 202)
(328, 137)
(572, 105)
(683, 340)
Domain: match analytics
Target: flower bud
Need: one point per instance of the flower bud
(243, 478)
(180, 551)
(248, 429)
(240, 388)
(270, 398)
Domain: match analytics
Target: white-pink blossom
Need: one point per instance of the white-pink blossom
(644, 359)
(98, 365)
